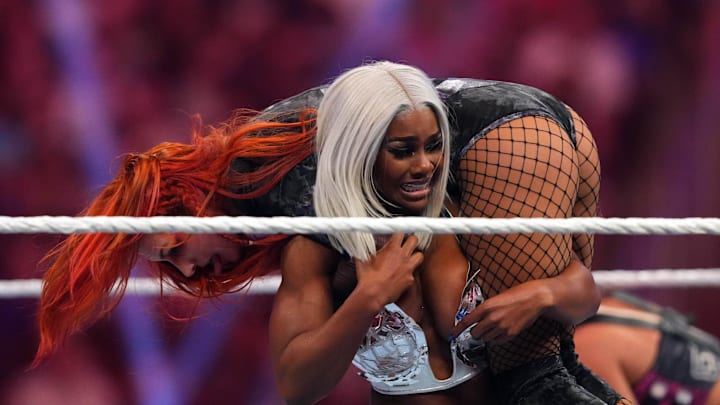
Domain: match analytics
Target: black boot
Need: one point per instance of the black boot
(542, 382)
(584, 376)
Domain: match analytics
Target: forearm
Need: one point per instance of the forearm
(314, 362)
(570, 297)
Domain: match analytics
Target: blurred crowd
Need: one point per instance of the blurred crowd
(82, 82)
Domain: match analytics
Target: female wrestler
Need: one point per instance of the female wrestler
(268, 160)
(651, 354)
(528, 136)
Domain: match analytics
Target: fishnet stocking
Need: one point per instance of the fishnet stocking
(528, 167)
(586, 204)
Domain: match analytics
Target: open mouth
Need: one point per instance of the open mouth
(416, 191)
(415, 187)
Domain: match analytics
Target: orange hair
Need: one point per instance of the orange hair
(170, 179)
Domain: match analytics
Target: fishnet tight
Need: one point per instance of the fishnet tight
(528, 167)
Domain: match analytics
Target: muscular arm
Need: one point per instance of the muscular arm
(304, 332)
(312, 346)
(570, 297)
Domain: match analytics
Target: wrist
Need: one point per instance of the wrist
(545, 297)
(367, 300)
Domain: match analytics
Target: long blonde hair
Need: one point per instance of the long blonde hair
(353, 117)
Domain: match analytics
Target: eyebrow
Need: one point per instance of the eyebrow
(408, 138)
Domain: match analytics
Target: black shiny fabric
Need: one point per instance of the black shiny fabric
(476, 107)
(584, 376)
(542, 382)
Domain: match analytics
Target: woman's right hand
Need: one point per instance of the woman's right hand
(392, 270)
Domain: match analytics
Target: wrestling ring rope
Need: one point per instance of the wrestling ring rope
(607, 279)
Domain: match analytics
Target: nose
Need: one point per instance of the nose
(185, 266)
(424, 164)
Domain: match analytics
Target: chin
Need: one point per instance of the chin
(415, 209)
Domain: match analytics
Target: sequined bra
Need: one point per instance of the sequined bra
(393, 357)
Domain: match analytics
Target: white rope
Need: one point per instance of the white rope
(626, 279)
(606, 279)
(30, 288)
(310, 225)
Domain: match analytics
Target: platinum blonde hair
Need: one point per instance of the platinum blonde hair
(353, 118)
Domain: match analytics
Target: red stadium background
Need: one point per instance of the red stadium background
(82, 82)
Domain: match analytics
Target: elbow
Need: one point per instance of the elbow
(287, 392)
(294, 392)
(595, 298)
(287, 388)
(299, 400)
(297, 396)
(591, 303)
